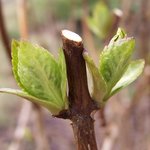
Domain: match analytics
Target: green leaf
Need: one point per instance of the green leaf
(114, 60)
(134, 69)
(119, 35)
(62, 69)
(99, 85)
(39, 74)
(15, 46)
(101, 20)
(47, 104)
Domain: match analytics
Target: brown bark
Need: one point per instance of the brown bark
(83, 127)
(79, 96)
(81, 104)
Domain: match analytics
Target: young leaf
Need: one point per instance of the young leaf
(62, 69)
(115, 59)
(101, 20)
(119, 35)
(15, 46)
(134, 69)
(38, 73)
(99, 85)
(55, 109)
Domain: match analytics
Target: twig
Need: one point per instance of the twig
(81, 104)
(3, 32)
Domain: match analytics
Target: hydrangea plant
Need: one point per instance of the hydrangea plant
(43, 79)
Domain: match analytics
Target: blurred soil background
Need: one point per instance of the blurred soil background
(24, 126)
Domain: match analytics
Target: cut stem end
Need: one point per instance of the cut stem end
(71, 36)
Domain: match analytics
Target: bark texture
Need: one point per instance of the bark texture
(81, 104)
(83, 127)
